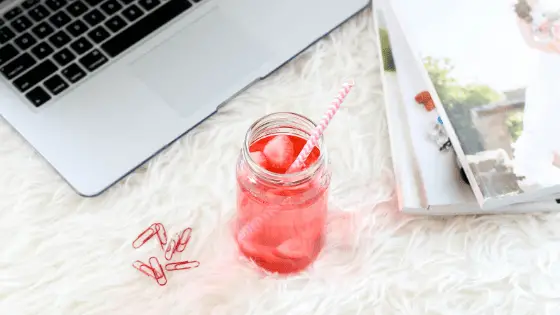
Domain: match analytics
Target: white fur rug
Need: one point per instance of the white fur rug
(63, 254)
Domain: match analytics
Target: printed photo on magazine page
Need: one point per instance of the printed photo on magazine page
(495, 66)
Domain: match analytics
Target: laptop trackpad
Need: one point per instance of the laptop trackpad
(203, 64)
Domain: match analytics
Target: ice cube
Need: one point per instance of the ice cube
(279, 152)
(259, 158)
(294, 248)
(261, 252)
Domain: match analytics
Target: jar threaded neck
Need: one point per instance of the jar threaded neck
(283, 123)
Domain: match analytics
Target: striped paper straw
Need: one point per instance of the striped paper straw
(318, 131)
(257, 222)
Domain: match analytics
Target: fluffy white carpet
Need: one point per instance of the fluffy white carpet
(63, 254)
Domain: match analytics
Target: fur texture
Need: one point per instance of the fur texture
(63, 254)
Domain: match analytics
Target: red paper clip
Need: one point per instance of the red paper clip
(183, 240)
(161, 234)
(182, 265)
(144, 268)
(154, 229)
(170, 249)
(158, 271)
(145, 236)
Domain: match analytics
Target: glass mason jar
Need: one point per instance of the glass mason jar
(281, 217)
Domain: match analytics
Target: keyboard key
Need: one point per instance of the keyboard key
(18, 65)
(27, 4)
(93, 3)
(145, 26)
(38, 96)
(115, 24)
(77, 8)
(59, 39)
(42, 50)
(42, 30)
(13, 13)
(149, 4)
(125, 2)
(98, 34)
(37, 74)
(1, 22)
(38, 13)
(64, 57)
(93, 60)
(25, 41)
(56, 84)
(6, 34)
(59, 19)
(55, 4)
(73, 73)
(77, 28)
(132, 13)
(81, 45)
(21, 23)
(94, 17)
(7, 53)
(110, 7)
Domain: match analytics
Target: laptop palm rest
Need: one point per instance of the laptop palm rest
(202, 65)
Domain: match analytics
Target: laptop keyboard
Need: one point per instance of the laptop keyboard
(48, 45)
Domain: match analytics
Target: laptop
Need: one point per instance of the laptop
(97, 87)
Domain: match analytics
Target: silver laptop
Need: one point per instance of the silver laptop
(98, 87)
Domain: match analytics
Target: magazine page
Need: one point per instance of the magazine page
(495, 66)
(408, 184)
(438, 170)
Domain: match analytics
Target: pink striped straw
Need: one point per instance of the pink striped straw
(312, 142)
(318, 131)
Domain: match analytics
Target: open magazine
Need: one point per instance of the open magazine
(428, 181)
(494, 69)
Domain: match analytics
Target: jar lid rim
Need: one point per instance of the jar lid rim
(295, 177)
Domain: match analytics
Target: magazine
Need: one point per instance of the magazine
(408, 183)
(428, 181)
(494, 69)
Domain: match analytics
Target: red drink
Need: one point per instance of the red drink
(280, 167)
(292, 206)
